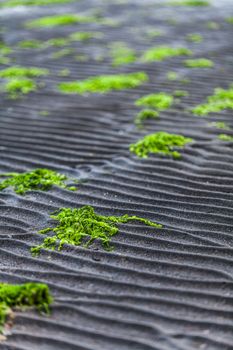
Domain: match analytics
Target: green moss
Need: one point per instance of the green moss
(104, 83)
(180, 93)
(4, 51)
(64, 72)
(62, 53)
(213, 25)
(39, 179)
(194, 37)
(22, 72)
(22, 296)
(44, 113)
(153, 33)
(145, 114)
(59, 20)
(221, 100)
(172, 76)
(199, 63)
(85, 36)
(161, 142)
(189, 3)
(219, 125)
(81, 58)
(15, 3)
(160, 53)
(159, 101)
(121, 54)
(225, 137)
(19, 86)
(82, 227)
(57, 42)
(230, 20)
(30, 44)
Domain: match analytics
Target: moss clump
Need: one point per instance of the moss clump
(199, 63)
(62, 53)
(39, 179)
(30, 44)
(180, 93)
(59, 20)
(221, 100)
(213, 25)
(104, 83)
(194, 37)
(22, 296)
(220, 125)
(172, 76)
(121, 54)
(17, 87)
(160, 53)
(145, 114)
(225, 137)
(161, 142)
(85, 36)
(159, 101)
(22, 72)
(189, 3)
(153, 33)
(230, 20)
(82, 227)
(15, 3)
(64, 72)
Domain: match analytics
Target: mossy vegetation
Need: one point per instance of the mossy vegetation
(172, 76)
(121, 54)
(225, 137)
(199, 63)
(180, 93)
(64, 72)
(15, 3)
(189, 3)
(220, 125)
(22, 72)
(213, 25)
(194, 37)
(153, 33)
(104, 83)
(85, 36)
(161, 143)
(17, 87)
(22, 296)
(82, 227)
(38, 179)
(4, 52)
(159, 101)
(222, 99)
(31, 44)
(230, 20)
(144, 115)
(160, 53)
(59, 20)
(62, 53)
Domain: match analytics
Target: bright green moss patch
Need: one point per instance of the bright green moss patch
(199, 63)
(121, 54)
(22, 72)
(22, 296)
(82, 227)
(59, 20)
(159, 101)
(225, 137)
(15, 3)
(30, 44)
(220, 125)
(189, 3)
(221, 100)
(39, 179)
(145, 114)
(194, 37)
(16, 87)
(160, 53)
(161, 142)
(85, 36)
(180, 93)
(104, 83)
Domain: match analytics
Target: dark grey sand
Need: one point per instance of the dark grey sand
(159, 289)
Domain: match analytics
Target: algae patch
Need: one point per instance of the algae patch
(22, 72)
(82, 227)
(39, 179)
(144, 115)
(160, 53)
(161, 143)
(159, 101)
(23, 296)
(121, 54)
(104, 83)
(225, 137)
(15, 3)
(59, 20)
(189, 3)
(194, 37)
(199, 63)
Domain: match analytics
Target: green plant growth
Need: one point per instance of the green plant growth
(230, 20)
(104, 83)
(189, 3)
(220, 125)
(161, 143)
(172, 76)
(64, 72)
(225, 137)
(199, 63)
(17, 87)
(213, 25)
(59, 20)
(22, 296)
(153, 33)
(221, 100)
(121, 54)
(38, 179)
(194, 37)
(82, 227)
(159, 101)
(85, 36)
(62, 53)
(160, 53)
(15, 3)
(180, 93)
(31, 44)
(144, 115)
(22, 72)
(4, 51)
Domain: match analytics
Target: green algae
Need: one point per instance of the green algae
(172, 76)
(230, 20)
(15, 3)
(225, 137)
(144, 115)
(194, 37)
(121, 54)
(22, 296)
(159, 101)
(189, 3)
(221, 100)
(160, 53)
(104, 83)
(38, 179)
(199, 63)
(4, 52)
(31, 44)
(17, 87)
(59, 20)
(213, 25)
(161, 143)
(85, 36)
(82, 227)
(180, 93)
(22, 72)
(62, 53)
(220, 125)
(153, 33)
(64, 72)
